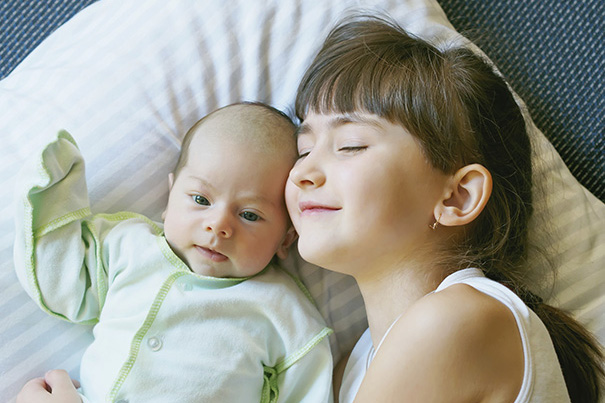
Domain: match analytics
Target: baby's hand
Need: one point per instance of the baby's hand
(55, 387)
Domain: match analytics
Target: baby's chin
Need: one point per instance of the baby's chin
(207, 270)
(224, 272)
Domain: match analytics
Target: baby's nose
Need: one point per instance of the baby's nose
(220, 225)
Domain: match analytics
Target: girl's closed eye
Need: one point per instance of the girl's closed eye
(201, 200)
(352, 149)
(303, 153)
(305, 146)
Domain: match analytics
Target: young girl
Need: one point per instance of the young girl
(414, 177)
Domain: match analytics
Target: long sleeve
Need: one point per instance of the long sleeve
(57, 247)
(310, 378)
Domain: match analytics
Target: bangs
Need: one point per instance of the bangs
(384, 73)
(373, 66)
(348, 89)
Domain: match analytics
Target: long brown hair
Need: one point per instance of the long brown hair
(461, 112)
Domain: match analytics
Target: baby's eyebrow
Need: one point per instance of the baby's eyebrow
(201, 182)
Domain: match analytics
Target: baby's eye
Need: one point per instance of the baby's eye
(250, 216)
(201, 200)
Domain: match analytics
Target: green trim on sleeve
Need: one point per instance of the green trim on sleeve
(270, 390)
(30, 234)
(62, 221)
(128, 215)
(292, 359)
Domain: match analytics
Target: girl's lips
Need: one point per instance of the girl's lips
(307, 208)
(211, 254)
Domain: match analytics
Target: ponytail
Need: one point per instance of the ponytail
(579, 353)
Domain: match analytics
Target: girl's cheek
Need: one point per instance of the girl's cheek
(291, 196)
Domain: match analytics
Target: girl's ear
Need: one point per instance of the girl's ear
(466, 196)
(282, 250)
(170, 183)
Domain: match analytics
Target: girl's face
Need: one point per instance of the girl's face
(362, 193)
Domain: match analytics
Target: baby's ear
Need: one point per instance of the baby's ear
(170, 183)
(170, 180)
(466, 196)
(291, 235)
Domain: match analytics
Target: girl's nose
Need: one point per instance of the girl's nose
(219, 224)
(306, 173)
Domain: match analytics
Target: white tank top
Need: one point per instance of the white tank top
(542, 378)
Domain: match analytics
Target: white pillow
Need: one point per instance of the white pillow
(128, 78)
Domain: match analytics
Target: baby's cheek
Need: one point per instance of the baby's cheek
(172, 231)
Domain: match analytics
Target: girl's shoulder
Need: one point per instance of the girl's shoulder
(458, 339)
(462, 308)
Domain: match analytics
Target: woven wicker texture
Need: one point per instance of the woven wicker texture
(553, 54)
(24, 24)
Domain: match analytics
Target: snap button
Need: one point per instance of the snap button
(154, 343)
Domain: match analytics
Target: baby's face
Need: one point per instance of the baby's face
(226, 215)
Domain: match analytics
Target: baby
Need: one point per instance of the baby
(193, 310)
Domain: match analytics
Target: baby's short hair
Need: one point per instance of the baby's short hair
(268, 125)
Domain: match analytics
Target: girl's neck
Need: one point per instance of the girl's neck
(387, 295)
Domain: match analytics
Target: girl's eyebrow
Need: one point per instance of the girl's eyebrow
(355, 118)
(342, 120)
(302, 129)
